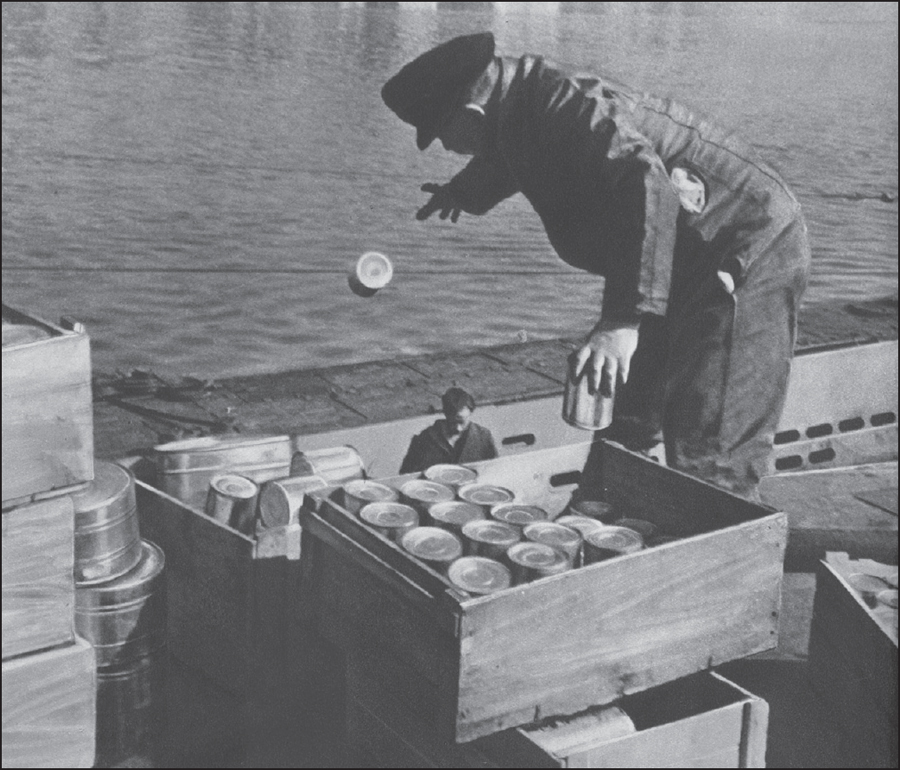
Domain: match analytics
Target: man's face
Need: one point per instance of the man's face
(464, 132)
(458, 421)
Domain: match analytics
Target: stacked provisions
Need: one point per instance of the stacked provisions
(481, 539)
(49, 695)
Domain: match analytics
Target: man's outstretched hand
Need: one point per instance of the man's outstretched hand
(441, 200)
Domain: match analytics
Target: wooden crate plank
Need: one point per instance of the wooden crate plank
(38, 582)
(557, 651)
(49, 708)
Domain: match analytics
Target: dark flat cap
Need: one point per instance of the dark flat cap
(427, 89)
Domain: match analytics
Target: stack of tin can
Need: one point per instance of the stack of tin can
(481, 539)
(120, 608)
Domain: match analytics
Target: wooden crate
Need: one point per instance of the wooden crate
(476, 666)
(699, 721)
(853, 664)
(48, 431)
(38, 582)
(231, 598)
(49, 708)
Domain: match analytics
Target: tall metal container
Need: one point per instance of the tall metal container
(125, 621)
(107, 539)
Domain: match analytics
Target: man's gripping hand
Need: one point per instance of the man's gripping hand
(606, 355)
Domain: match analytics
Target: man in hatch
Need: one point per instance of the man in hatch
(703, 248)
(455, 439)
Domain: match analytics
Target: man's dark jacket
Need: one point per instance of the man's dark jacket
(431, 448)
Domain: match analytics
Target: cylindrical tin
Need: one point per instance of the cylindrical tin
(891, 580)
(583, 409)
(557, 536)
(646, 529)
(594, 509)
(582, 524)
(107, 539)
(867, 586)
(422, 494)
(517, 514)
(888, 598)
(393, 520)
(130, 710)
(125, 618)
(488, 538)
(232, 501)
(337, 465)
(532, 561)
(359, 492)
(453, 515)
(372, 272)
(610, 542)
(453, 476)
(477, 575)
(185, 468)
(281, 499)
(485, 495)
(434, 546)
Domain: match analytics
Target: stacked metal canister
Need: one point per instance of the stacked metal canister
(120, 608)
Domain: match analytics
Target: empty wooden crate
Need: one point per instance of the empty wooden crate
(853, 659)
(476, 666)
(48, 436)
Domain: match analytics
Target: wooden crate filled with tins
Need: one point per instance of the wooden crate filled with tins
(853, 654)
(48, 423)
(482, 646)
(225, 512)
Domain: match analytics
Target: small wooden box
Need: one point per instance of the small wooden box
(48, 428)
(38, 579)
(231, 598)
(49, 708)
(853, 664)
(699, 721)
(477, 666)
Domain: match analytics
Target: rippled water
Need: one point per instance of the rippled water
(252, 136)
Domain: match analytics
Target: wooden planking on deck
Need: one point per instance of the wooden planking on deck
(349, 395)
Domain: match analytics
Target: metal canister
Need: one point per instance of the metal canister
(485, 495)
(437, 547)
(454, 514)
(867, 586)
(583, 409)
(517, 514)
(337, 465)
(453, 476)
(281, 499)
(232, 500)
(125, 618)
(532, 561)
(488, 538)
(583, 524)
(646, 529)
(422, 494)
(393, 520)
(610, 542)
(186, 468)
(594, 509)
(478, 575)
(359, 492)
(557, 536)
(107, 539)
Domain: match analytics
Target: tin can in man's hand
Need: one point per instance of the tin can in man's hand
(581, 407)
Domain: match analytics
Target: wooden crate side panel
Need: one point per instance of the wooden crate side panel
(678, 503)
(367, 618)
(867, 652)
(48, 437)
(618, 628)
(871, 733)
(211, 623)
(38, 582)
(49, 708)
